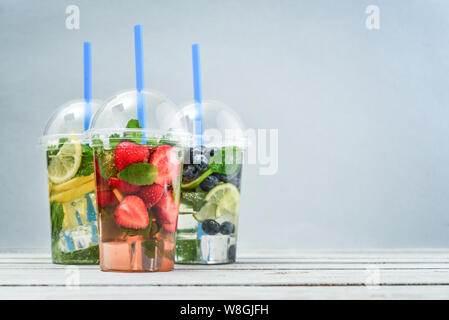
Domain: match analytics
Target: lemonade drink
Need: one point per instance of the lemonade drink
(73, 213)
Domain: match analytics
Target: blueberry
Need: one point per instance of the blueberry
(227, 228)
(231, 253)
(190, 172)
(211, 151)
(211, 227)
(222, 177)
(234, 178)
(200, 161)
(208, 183)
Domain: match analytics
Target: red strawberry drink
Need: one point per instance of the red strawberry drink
(138, 190)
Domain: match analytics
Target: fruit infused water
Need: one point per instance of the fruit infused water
(138, 158)
(71, 184)
(210, 200)
(210, 197)
(138, 164)
(138, 193)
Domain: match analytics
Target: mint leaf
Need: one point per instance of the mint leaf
(139, 174)
(227, 161)
(106, 164)
(195, 198)
(155, 228)
(137, 232)
(56, 217)
(148, 232)
(87, 162)
(88, 255)
(153, 143)
(54, 149)
(97, 143)
(150, 247)
(62, 141)
(168, 139)
(114, 140)
(133, 124)
(133, 136)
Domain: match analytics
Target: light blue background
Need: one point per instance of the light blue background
(362, 115)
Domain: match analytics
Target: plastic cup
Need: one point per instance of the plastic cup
(71, 185)
(210, 189)
(138, 176)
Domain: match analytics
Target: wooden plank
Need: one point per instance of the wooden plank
(238, 293)
(255, 266)
(286, 254)
(260, 274)
(89, 277)
(289, 253)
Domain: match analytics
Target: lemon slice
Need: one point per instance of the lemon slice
(73, 183)
(73, 194)
(65, 164)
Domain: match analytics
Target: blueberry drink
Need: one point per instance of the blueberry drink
(209, 208)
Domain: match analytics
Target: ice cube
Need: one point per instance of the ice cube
(187, 223)
(116, 255)
(79, 211)
(78, 238)
(214, 248)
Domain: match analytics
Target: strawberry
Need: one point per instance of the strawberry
(123, 186)
(106, 198)
(128, 153)
(151, 194)
(167, 211)
(168, 165)
(132, 213)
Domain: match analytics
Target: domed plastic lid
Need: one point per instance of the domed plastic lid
(69, 120)
(151, 113)
(221, 125)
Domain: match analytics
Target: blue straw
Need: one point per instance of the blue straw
(197, 95)
(138, 44)
(87, 84)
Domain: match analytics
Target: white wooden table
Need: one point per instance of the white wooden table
(288, 274)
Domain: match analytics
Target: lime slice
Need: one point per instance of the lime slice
(208, 211)
(226, 197)
(64, 165)
(195, 183)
